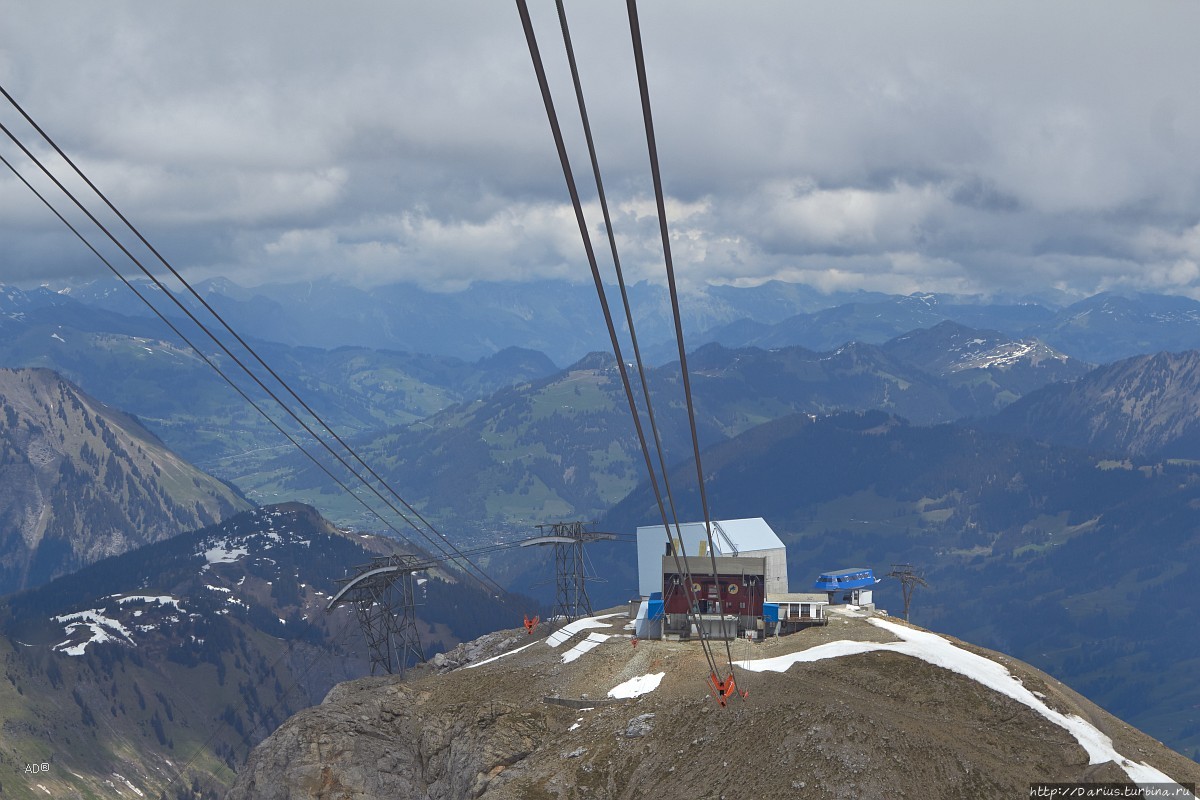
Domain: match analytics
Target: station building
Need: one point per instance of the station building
(741, 598)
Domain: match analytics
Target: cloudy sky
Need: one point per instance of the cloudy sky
(957, 147)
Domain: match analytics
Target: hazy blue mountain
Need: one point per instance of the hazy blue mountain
(1100, 329)
(562, 318)
(564, 445)
(1145, 406)
(559, 318)
(1111, 326)
(134, 363)
(994, 367)
(877, 320)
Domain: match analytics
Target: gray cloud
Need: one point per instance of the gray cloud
(932, 147)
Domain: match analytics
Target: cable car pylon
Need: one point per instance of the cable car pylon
(570, 577)
(383, 595)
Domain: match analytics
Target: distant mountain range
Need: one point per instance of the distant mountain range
(563, 446)
(136, 364)
(563, 320)
(1053, 518)
(1099, 329)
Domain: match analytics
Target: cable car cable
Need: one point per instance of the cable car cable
(183, 337)
(564, 160)
(656, 175)
(29, 154)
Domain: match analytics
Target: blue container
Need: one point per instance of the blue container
(771, 612)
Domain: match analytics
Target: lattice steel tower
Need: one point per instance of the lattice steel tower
(570, 575)
(384, 598)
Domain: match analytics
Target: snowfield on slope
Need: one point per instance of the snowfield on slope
(934, 649)
(636, 687)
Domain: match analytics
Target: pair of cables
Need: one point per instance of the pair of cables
(230, 343)
(663, 494)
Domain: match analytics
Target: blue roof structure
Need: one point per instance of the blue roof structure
(849, 578)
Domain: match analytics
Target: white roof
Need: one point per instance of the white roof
(730, 536)
(747, 534)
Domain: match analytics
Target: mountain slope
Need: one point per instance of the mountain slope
(136, 364)
(1057, 556)
(1110, 326)
(885, 723)
(564, 445)
(80, 481)
(876, 320)
(165, 665)
(1141, 406)
(996, 368)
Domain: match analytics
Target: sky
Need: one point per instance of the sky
(1007, 148)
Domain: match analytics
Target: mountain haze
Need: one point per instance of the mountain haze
(564, 446)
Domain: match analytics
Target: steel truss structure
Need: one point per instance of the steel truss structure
(909, 579)
(570, 576)
(383, 595)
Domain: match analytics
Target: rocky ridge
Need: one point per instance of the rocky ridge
(546, 721)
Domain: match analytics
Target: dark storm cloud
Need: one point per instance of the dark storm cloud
(932, 146)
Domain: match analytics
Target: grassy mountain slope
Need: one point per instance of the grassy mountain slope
(564, 446)
(80, 481)
(138, 366)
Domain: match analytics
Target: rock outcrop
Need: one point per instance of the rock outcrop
(880, 724)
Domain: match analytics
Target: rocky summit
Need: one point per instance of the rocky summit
(865, 707)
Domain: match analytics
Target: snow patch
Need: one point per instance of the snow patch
(940, 652)
(103, 629)
(223, 553)
(636, 687)
(497, 658)
(571, 628)
(592, 641)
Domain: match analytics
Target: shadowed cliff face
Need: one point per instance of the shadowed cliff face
(80, 481)
(537, 724)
